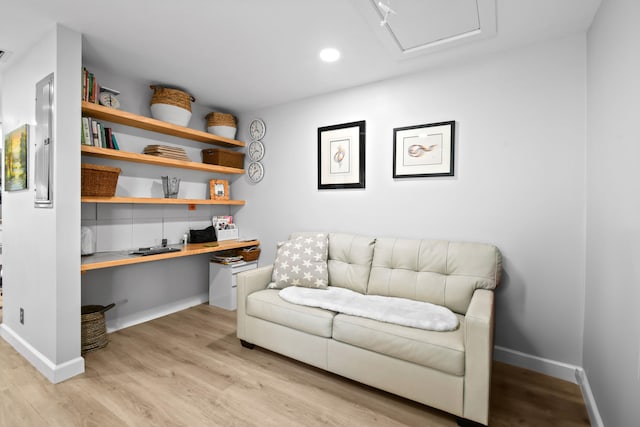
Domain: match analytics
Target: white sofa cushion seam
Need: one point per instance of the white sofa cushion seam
(407, 338)
(298, 311)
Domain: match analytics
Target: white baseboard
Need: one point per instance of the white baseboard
(590, 402)
(53, 372)
(155, 312)
(553, 368)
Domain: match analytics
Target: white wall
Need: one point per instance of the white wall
(519, 179)
(612, 320)
(41, 266)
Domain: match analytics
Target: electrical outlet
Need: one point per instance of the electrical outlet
(22, 315)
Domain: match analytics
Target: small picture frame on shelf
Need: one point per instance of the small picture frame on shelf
(219, 189)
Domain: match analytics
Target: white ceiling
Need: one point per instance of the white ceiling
(243, 55)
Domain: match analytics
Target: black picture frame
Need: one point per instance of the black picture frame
(426, 150)
(341, 156)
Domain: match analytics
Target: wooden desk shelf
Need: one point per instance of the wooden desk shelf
(119, 258)
(100, 112)
(160, 201)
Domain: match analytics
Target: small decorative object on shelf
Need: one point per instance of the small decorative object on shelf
(170, 187)
(219, 189)
(108, 97)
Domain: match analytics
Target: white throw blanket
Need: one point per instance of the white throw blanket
(401, 311)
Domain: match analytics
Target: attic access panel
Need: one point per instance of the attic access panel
(421, 25)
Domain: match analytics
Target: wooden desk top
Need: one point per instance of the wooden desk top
(117, 258)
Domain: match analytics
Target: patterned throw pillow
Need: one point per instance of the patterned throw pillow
(302, 262)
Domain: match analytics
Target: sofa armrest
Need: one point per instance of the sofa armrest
(248, 282)
(478, 345)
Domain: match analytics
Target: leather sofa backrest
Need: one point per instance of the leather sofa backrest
(436, 271)
(349, 262)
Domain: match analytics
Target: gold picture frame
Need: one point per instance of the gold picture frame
(16, 158)
(219, 189)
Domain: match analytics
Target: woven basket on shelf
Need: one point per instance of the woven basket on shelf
(175, 97)
(250, 254)
(93, 327)
(220, 119)
(99, 180)
(222, 157)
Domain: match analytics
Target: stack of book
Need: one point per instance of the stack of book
(168, 152)
(90, 88)
(96, 135)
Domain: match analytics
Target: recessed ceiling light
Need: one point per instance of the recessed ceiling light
(329, 54)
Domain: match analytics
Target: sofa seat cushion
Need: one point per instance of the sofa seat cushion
(267, 305)
(443, 351)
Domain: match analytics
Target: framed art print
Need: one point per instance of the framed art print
(15, 159)
(341, 156)
(424, 150)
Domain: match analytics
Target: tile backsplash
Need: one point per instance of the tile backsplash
(126, 226)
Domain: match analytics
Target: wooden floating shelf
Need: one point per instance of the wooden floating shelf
(108, 153)
(159, 201)
(100, 112)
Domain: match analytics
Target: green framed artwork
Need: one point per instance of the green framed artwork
(15, 159)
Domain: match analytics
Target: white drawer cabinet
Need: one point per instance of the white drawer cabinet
(222, 283)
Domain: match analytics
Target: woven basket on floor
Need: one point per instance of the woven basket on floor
(175, 97)
(94, 328)
(98, 180)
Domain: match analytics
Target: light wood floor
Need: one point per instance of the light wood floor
(188, 369)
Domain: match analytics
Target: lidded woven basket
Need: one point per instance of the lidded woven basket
(175, 97)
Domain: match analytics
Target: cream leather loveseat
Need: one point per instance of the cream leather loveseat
(450, 370)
